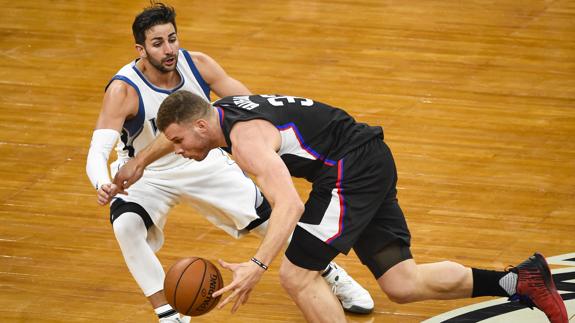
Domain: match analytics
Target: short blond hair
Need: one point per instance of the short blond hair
(181, 107)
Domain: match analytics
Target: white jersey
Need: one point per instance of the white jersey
(216, 186)
(139, 131)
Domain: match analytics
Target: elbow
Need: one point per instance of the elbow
(298, 208)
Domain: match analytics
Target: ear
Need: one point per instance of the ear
(201, 125)
(141, 51)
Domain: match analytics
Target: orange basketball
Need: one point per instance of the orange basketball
(189, 286)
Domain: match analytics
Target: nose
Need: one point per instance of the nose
(178, 150)
(168, 48)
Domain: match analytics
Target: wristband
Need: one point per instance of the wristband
(259, 263)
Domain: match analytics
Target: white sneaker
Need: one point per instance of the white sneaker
(353, 297)
(185, 319)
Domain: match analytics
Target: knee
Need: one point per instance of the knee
(419, 282)
(129, 227)
(401, 284)
(401, 292)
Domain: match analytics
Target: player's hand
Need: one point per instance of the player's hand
(106, 192)
(127, 175)
(246, 275)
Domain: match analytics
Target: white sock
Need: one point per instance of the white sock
(509, 283)
(327, 270)
(166, 311)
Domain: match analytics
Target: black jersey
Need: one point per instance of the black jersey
(313, 134)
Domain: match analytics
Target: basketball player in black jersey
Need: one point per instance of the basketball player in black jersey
(353, 204)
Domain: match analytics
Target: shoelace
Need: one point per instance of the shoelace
(338, 282)
(523, 299)
(334, 288)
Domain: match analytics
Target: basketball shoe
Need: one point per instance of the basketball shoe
(353, 297)
(184, 319)
(535, 287)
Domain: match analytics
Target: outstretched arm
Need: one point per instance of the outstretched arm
(254, 146)
(120, 102)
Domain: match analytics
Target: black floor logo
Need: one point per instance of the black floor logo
(500, 310)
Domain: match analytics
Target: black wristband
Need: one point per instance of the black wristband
(259, 263)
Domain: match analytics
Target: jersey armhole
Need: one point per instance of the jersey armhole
(205, 86)
(133, 125)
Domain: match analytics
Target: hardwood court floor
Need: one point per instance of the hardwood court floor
(477, 99)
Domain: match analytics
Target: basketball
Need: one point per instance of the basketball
(189, 286)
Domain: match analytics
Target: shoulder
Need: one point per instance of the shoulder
(204, 62)
(119, 88)
(199, 57)
(121, 98)
(246, 133)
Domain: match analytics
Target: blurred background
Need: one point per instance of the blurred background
(477, 100)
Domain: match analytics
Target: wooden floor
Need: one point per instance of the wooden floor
(477, 99)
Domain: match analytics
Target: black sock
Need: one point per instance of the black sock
(486, 283)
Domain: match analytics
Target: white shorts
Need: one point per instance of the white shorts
(216, 187)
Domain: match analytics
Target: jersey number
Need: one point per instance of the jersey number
(280, 101)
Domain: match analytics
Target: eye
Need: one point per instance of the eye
(172, 40)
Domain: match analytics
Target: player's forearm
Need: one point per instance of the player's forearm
(282, 223)
(103, 140)
(160, 147)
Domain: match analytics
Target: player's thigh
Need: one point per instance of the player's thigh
(385, 241)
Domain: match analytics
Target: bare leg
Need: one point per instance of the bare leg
(352, 296)
(157, 299)
(311, 294)
(408, 282)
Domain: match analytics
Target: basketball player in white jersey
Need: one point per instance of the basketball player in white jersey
(127, 118)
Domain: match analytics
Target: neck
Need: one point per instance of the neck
(218, 134)
(165, 80)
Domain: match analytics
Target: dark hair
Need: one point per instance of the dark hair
(180, 107)
(156, 14)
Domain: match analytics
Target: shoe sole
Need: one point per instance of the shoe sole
(550, 285)
(358, 310)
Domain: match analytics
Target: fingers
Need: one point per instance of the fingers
(125, 176)
(237, 304)
(240, 299)
(105, 193)
(224, 264)
(123, 182)
(240, 287)
(226, 300)
(246, 296)
(225, 289)
(103, 199)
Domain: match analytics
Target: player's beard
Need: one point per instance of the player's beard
(159, 65)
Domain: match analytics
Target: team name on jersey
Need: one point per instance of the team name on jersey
(244, 102)
(275, 100)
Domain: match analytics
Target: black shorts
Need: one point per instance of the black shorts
(351, 205)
